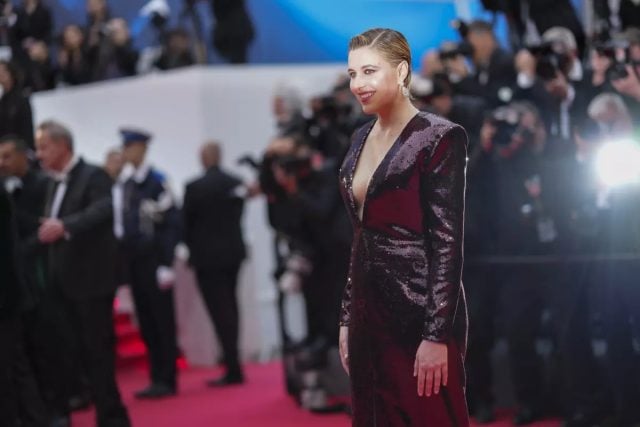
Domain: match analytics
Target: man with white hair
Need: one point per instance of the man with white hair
(77, 232)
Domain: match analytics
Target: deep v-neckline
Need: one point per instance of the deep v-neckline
(356, 160)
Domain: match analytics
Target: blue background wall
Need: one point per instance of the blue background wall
(305, 30)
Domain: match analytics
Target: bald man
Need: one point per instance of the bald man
(212, 213)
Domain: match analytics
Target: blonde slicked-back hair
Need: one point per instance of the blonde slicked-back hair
(390, 43)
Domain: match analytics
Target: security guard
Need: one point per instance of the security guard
(150, 225)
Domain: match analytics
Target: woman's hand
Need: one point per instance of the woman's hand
(343, 342)
(431, 367)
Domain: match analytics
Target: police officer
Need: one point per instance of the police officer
(150, 225)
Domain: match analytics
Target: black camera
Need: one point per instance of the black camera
(506, 120)
(461, 27)
(550, 59)
(452, 50)
(617, 52)
(298, 166)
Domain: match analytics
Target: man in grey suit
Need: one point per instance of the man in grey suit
(78, 231)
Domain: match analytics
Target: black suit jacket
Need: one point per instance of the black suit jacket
(212, 214)
(500, 73)
(29, 202)
(16, 116)
(551, 13)
(83, 263)
(10, 288)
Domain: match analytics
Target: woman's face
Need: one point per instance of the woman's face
(374, 81)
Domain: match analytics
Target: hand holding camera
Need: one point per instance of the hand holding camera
(628, 85)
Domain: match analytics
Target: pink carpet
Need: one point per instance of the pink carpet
(261, 402)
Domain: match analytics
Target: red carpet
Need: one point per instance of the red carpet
(261, 402)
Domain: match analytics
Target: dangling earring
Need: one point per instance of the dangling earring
(404, 90)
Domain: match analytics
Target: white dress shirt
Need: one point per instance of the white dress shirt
(61, 190)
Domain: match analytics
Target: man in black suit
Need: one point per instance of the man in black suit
(78, 232)
(9, 307)
(494, 72)
(212, 212)
(27, 187)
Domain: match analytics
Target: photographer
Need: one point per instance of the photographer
(304, 192)
(328, 127)
(626, 76)
(493, 66)
(511, 146)
(555, 94)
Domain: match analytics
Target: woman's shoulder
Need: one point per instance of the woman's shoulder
(435, 124)
(426, 132)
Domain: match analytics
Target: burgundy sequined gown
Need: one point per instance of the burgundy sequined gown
(404, 282)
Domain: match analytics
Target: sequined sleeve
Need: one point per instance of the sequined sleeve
(442, 199)
(345, 306)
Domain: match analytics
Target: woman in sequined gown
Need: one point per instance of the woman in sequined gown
(403, 322)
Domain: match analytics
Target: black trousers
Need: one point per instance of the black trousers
(524, 297)
(86, 323)
(155, 312)
(482, 291)
(323, 293)
(9, 338)
(584, 385)
(218, 287)
(29, 363)
(620, 292)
